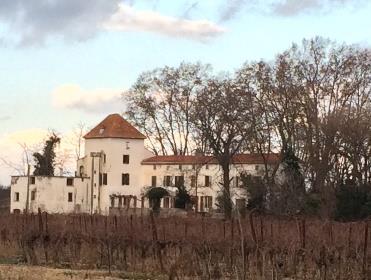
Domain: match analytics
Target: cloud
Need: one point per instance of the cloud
(33, 22)
(187, 12)
(230, 9)
(129, 19)
(36, 20)
(92, 101)
(5, 118)
(294, 7)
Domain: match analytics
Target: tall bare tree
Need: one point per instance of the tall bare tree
(160, 102)
(221, 115)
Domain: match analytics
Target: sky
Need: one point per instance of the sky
(65, 62)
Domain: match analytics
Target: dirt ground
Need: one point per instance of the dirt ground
(24, 272)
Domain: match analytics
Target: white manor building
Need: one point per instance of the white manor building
(117, 170)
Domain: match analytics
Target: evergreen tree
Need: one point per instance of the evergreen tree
(182, 198)
(44, 162)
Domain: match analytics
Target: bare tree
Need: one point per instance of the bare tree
(221, 115)
(78, 139)
(20, 166)
(304, 104)
(160, 103)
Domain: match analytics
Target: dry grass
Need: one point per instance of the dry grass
(24, 272)
(253, 247)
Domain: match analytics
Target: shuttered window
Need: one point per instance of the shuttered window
(154, 181)
(125, 159)
(207, 181)
(105, 179)
(179, 181)
(167, 181)
(125, 179)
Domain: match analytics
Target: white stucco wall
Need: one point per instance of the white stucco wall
(91, 197)
(114, 149)
(200, 171)
(51, 194)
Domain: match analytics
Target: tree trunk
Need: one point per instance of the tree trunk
(227, 201)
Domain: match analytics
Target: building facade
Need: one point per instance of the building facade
(117, 170)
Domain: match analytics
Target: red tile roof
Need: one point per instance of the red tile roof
(178, 160)
(114, 126)
(237, 159)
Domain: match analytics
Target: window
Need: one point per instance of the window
(179, 181)
(16, 196)
(81, 171)
(193, 181)
(256, 167)
(154, 167)
(207, 181)
(154, 181)
(69, 181)
(70, 197)
(32, 180)
(207, 166)
(125, 179)
(180, 167)
(206, 202)
(209, 202)
(237, 181)
(33, 195)
(125, 159)
(166, 202)
(105, 179)
(127, 145)
(167, 181)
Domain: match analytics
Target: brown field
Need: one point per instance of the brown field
(24, 272)
(131, 247)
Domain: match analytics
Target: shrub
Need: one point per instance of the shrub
(155, 194)
(182, 198)
(353, 202)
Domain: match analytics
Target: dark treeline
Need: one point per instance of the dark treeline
(311, 105)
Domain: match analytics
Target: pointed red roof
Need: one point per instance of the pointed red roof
(114, 126)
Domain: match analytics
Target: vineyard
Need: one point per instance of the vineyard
(250, 247)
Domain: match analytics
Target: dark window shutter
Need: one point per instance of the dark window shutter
(125, 179)
(104, 178)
